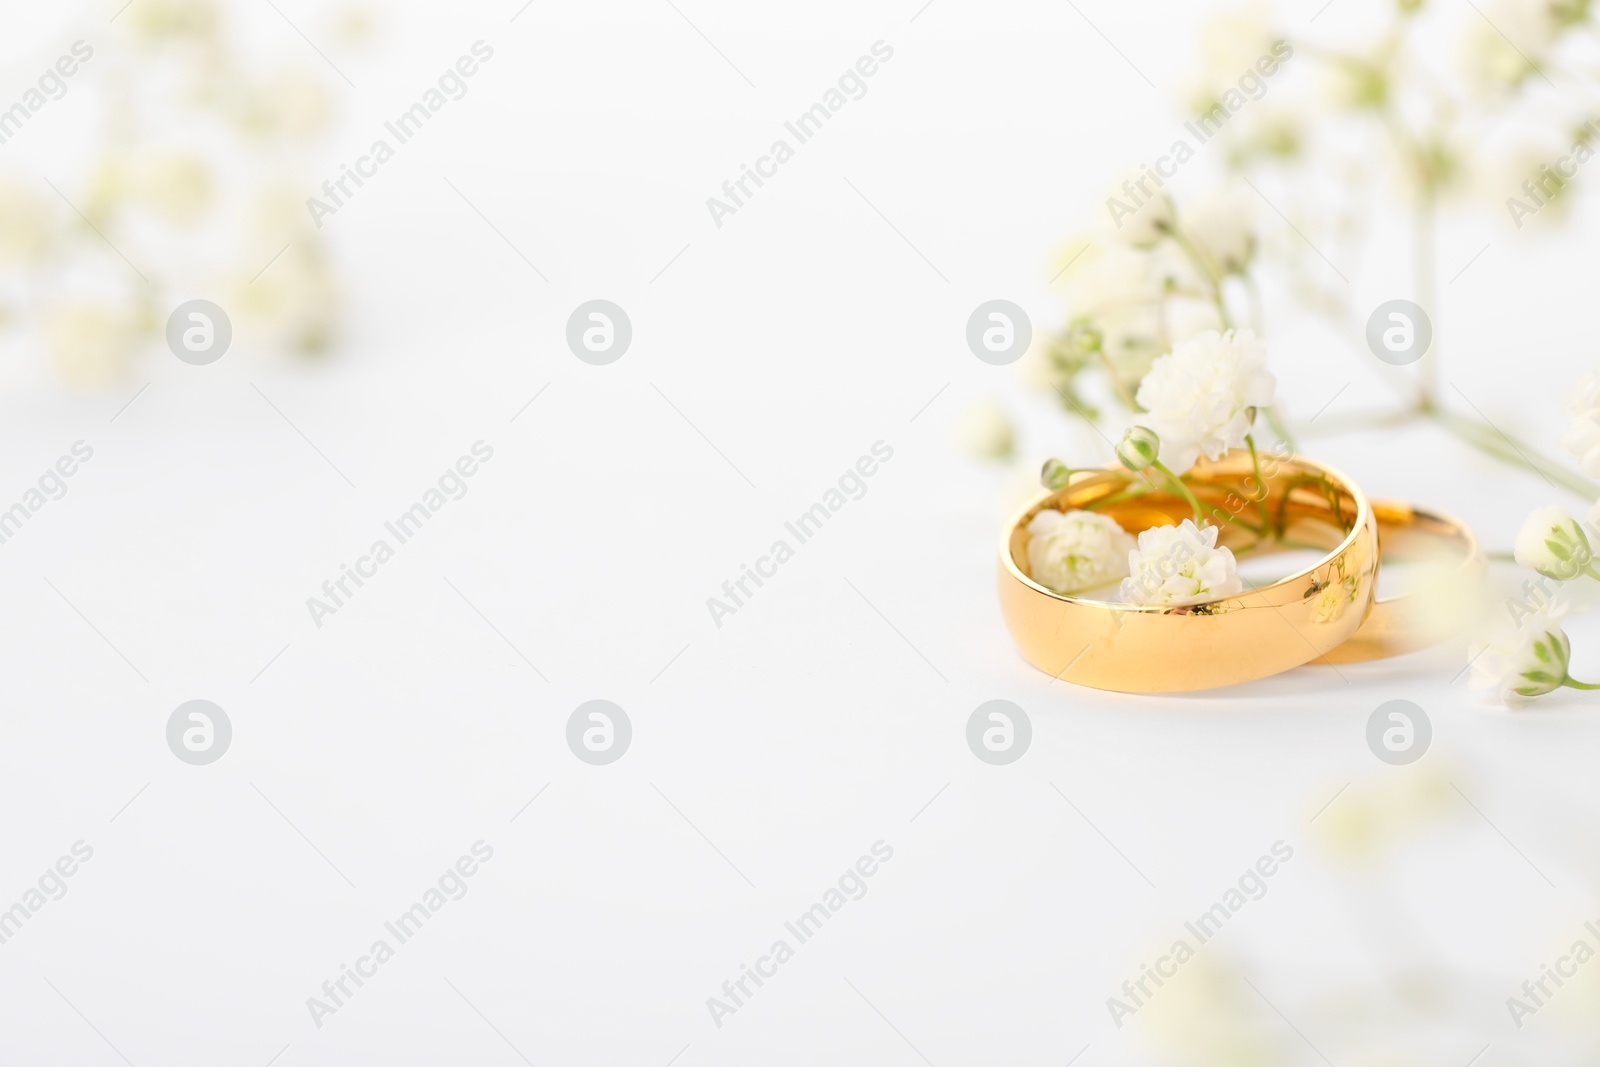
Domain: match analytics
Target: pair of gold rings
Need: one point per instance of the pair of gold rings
(1328, 612)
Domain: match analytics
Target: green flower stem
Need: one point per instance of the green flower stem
(1260, 499)
(1329, 493)
(1474, 432)
(1137, 490)
(1183, 488)
(1255, 465)
(1490, 440)
(1212, 282)
(1573, 683)
(1426, 286)
(1362, 420)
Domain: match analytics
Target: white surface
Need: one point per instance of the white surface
(804, 729)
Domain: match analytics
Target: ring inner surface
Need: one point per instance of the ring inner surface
(1292, 506)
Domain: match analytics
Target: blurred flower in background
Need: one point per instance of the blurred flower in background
(1209, 1015)
(984, 430)
(1428, 108)
(193, 162)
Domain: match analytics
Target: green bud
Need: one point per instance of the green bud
(1138, 448)
(1055, 474)
(1552, 651)
(1084, 339)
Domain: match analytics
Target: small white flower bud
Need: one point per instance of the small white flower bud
(1552, 543)
(1055, 474)
(1138, 448)
(1527, 658)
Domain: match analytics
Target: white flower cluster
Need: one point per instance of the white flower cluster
(1180, 565)
(1134, 292)
(182, 214)
(1076, 551)
(1494, 64)
(1202, 397)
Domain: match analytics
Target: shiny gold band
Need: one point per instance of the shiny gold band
(1262, 631)
(1441, 603)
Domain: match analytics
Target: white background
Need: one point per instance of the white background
(770, 753)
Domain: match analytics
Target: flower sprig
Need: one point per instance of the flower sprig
(1554, 544)
(1138, 450)
(1527, 659)
(1165, 271)
(1201, 398)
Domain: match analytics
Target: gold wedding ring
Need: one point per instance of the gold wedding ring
(1262, 631)
(1327, 613)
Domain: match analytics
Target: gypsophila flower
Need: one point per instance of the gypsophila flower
(1491, 62)
(91, 342)
(25, 224)
(1552, 543)
(984, 430)
(1075, 551)
(1141, 213)
(1525, 659)
(1582, 436)
(1221, 222)
(1180, 565)
(1202, 396)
